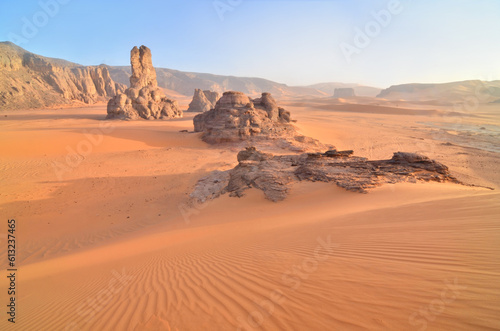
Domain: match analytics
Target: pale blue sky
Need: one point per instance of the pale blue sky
(294, 42)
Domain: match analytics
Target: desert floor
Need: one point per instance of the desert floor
(108, 240)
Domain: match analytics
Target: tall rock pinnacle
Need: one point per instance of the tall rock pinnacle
(143, 72)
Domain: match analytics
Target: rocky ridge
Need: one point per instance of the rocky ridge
(30, 81)
(445, 93)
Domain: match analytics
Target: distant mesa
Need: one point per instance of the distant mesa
(31, 81)
(276, 174)
(144, 99)
(347, 92)
(236, 118)
(203, 101)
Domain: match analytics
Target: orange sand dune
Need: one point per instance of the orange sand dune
(108, 240)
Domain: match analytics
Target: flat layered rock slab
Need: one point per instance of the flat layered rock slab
(276, 174)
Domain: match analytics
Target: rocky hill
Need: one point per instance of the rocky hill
(186, 82)
(28, 80)
(470, 90)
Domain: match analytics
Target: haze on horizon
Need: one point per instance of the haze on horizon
(293, 42)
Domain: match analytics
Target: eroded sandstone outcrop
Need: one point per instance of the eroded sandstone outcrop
(30, 81)
(238, 119)
(203, 101)
(144, 99)
(276, 174)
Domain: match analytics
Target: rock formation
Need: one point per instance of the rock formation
(344, 92)
(29, 80)
(144, 99)
(203, 101)
(236, 118)
(143, 72)
(276, 174)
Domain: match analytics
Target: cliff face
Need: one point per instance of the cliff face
(28, 80)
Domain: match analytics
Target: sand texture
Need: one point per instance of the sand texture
(109, 238)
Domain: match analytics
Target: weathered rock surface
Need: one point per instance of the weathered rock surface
(276, 174)
(144, 99)
(236, 119)
(143, 72)
(30, 81)
(203, 101)
(344, 92)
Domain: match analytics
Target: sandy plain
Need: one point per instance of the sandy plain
(108, 240)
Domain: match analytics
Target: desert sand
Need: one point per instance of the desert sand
(109, 240)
